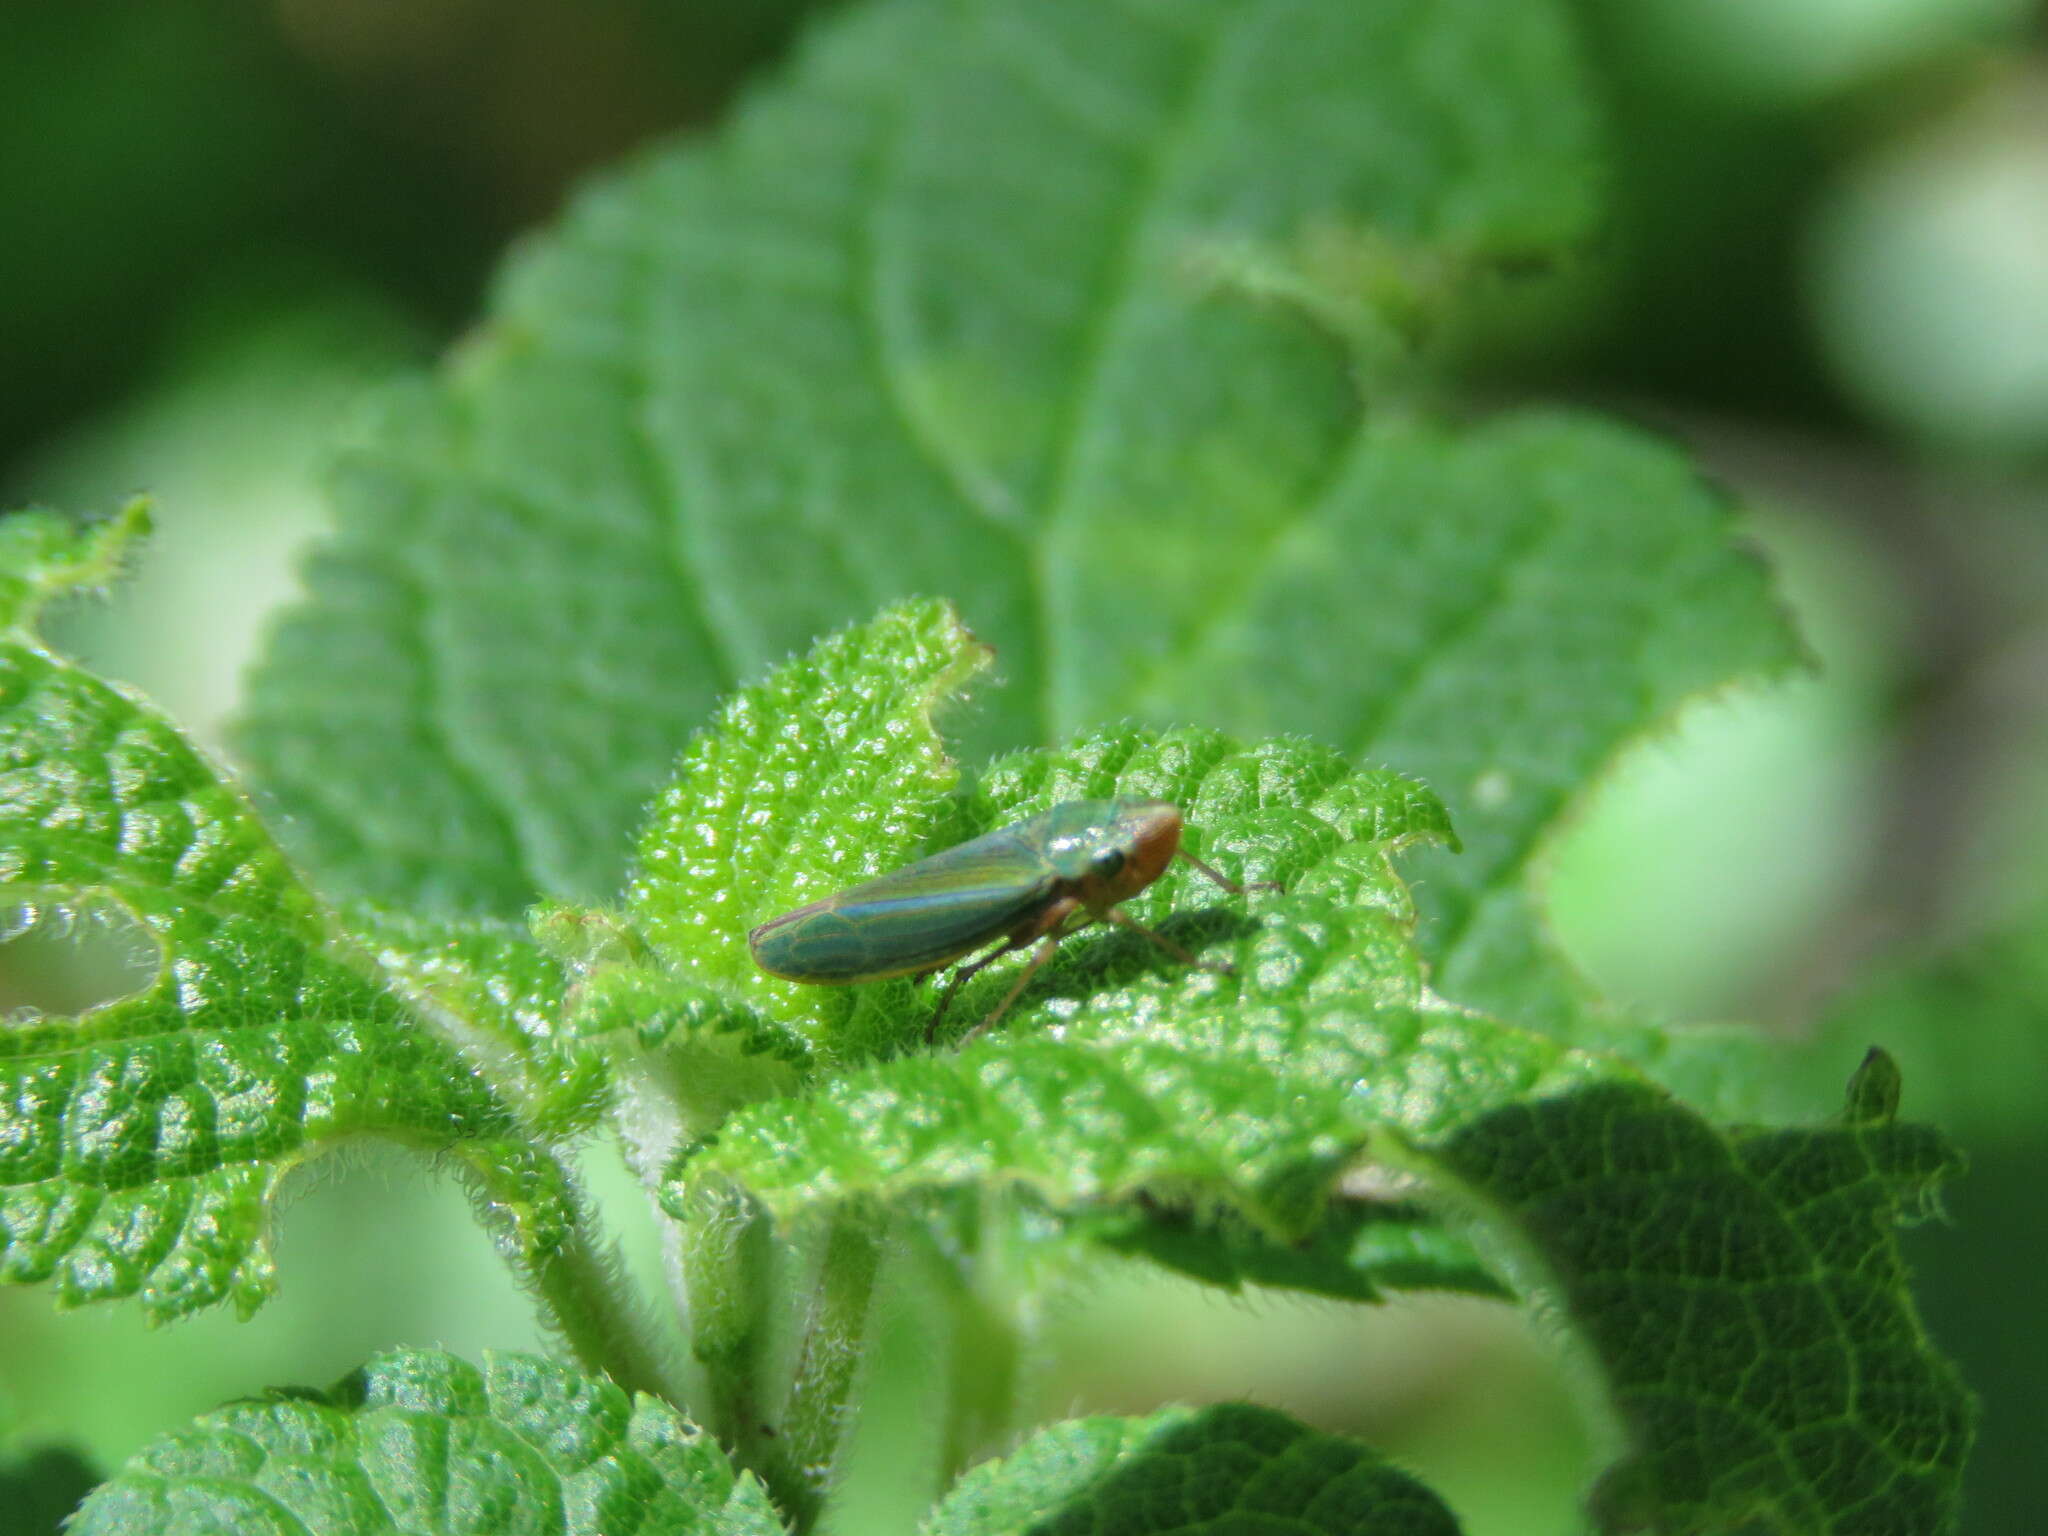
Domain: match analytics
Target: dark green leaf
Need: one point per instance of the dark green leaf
(1232, 1470)
(1743, 1301)
(40, 1489)
(1359, 1248)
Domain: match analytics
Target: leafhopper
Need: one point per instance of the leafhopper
(1035, 882)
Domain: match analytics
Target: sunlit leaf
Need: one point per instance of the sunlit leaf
(419, 1441)
(1095, 320)
(143, 1143)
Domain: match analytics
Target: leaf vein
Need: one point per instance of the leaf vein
(877, 261)
(1316, 501)
(1456, 623)
(440, 739)
(657, 466)
(1101, 331)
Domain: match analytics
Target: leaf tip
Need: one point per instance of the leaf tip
(1875, 1088)
(45, 554)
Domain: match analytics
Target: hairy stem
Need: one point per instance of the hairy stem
(728, 1275)
(836, 1343)
(966, 1286)
(651, 1123)
(542, 1224)
(583, 1289)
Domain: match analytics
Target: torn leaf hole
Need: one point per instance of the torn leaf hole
(60, 956)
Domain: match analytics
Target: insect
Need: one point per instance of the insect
(1037, 881)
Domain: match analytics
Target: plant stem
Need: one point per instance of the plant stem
(728, 1272)
(968, 1280)
(981, 1387)
(583, 1288)
(649, 1119)
(547, 1232)
(835, 1345)
(732, 1277)
(729, 1269)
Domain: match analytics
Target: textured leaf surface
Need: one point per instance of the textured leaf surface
(499, 996)
(1740, 1294)
(141, 1143)
(1744, 1304)
(826, 773)
(1216, 1471)
(931, 316)
(423, 1443)
(1123, 1071)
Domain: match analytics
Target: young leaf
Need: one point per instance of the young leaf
(1123, 1073)
(44, 556)
(501, 998)
(829, 771)
(1190, 1472)
(142, 1143)
(1742, 1300)
(422, 1442)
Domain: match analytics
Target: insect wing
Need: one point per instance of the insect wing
(913, 919)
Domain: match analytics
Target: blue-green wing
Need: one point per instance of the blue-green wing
(914, 919)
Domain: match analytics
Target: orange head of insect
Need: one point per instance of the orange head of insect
(1147, 835)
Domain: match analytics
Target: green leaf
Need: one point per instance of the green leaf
(45, 555)
(1234, 1125)
(142, 1143)
(1742, 1300)
(826, 773)
(940, 313)
(1360, 1248)
(422, 1442)
(1189, 1472)
(1123, 1073)
(502, 1000)
(39, 1488)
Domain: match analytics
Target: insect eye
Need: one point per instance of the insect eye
(1107, 863)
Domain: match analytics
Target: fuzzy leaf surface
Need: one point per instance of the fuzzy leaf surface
(827, 772)
(421, 1442)
(141, 1143)
(501, 998)
(949, 309)
(1190, 1472)
(1123, 1074)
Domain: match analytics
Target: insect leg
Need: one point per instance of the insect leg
(1225, 881)
(1165, 943)
(1049, 923)
(959, 979)
(1043, 954)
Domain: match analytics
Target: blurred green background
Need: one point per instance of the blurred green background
(1827, 272)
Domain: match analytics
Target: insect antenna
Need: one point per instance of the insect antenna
(1224, 880)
